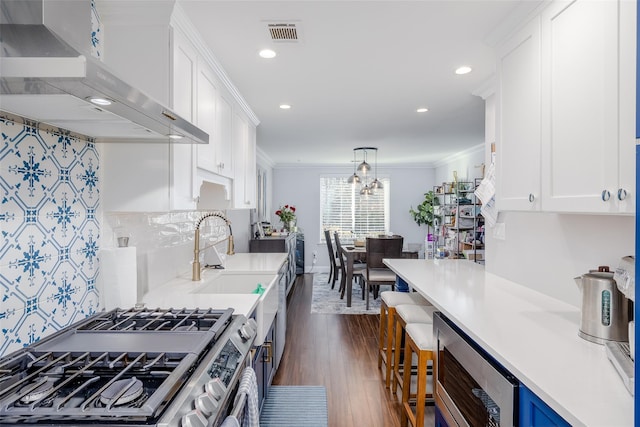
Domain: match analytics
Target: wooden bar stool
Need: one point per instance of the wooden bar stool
(419, 340)
(388, 302)
(405, 314)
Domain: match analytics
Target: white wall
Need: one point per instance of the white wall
(545, 251)
(301, 187)
(467, 164)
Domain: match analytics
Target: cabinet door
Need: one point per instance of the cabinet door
(184, 76)
(626, 193)
(224, 134)
(244, 155)
(250, 184)
(580, 104)
(533, 412)
(518, 143)
(206, 112)
(182, 159)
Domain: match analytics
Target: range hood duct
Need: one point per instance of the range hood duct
(47, 74)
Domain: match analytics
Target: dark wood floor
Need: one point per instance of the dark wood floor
(339, 352)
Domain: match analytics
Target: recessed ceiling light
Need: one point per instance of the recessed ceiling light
(267, 53)
(463, 70)
(100, 101)
(422, 110)
(175, 136)
(285, 106)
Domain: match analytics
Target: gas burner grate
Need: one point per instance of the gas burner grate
(159, 320)
(69, 384)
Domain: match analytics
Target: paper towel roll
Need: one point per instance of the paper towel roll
(119, 277)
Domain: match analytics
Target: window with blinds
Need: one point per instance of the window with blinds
(343, 209)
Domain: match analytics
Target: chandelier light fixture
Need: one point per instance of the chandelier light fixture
(368, 187)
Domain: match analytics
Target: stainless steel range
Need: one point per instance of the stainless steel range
(130, 367)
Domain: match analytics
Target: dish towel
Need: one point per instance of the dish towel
(249, 386)
(486, 192)
(230, 421)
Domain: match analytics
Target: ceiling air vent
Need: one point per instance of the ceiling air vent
(283, 32)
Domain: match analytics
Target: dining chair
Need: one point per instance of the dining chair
(377, 273)
(333, 266)
(358, 269)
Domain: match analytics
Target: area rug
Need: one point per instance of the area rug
(327, 301)
(295, 406)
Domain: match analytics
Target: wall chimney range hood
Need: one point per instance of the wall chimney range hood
(47, 74)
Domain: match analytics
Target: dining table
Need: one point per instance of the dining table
(359, 253)
(352, 254)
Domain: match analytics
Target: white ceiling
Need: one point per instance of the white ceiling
(359, 72)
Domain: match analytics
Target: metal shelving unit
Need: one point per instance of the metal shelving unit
(460, 221)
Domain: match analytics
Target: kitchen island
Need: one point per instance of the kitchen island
(532, 335)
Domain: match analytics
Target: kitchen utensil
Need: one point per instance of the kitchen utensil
(605, 310)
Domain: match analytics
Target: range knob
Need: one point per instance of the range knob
(248, 329)
(206, 404)
(215, 388)
(193, 419)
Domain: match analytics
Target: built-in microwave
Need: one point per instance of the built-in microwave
(472, 390)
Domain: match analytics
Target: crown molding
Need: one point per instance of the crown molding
(264, 159)
(486, 88)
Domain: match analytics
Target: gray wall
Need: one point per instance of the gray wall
(301, 187)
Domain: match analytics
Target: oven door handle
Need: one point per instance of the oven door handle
(238, 407)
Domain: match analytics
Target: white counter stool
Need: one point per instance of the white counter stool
(419, 340)
(388, 302)
(406, 314)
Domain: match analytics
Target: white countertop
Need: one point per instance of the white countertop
(532, 335)
(255, 262)
(178, 292)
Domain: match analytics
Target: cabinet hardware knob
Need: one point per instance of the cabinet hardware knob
(606, 195)
(531, 197)
(622, 194)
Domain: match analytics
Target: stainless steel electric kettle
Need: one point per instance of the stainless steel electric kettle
(605, 310)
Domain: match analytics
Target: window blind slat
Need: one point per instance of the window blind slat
(343, 209)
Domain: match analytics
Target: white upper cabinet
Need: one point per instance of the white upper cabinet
(244, 144)
(183, 194)
(518, 108)
(580, 106)
(215, 117)
(578, 129)
(207, 95)
(224, 151)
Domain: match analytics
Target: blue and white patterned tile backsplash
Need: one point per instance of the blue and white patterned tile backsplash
(50, 195)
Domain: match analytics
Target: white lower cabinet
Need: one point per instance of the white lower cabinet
(577, 132)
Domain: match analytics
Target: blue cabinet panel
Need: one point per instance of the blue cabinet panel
(638, 73)
(535, 413)
(440, 421)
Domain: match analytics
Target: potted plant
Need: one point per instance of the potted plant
(424, 214)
